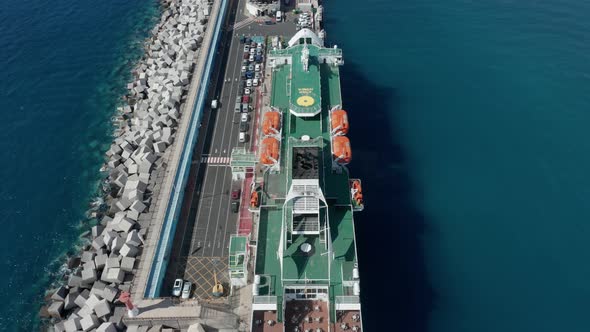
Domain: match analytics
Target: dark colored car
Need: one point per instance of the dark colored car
(245, 99)
(243, 126)
(235, 206)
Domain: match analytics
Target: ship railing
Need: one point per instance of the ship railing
(264, 299)
(347, 299)
(314, 142)
(348, 302)
(264, 302)
(313, 109)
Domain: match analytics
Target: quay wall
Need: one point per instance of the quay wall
(162, 255)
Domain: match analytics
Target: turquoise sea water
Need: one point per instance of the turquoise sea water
(469, 130)
(63, 68)
(470, 126)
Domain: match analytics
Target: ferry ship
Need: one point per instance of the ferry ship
(305, 269)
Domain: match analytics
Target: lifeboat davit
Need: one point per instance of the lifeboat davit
(271, 122)
(356, 186)
(358, 198)
(341, 149)
(269, 151)
(339, 120)
(356, 191)
(254, 199)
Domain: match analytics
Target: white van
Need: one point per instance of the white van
(214, 104)
(279, 15)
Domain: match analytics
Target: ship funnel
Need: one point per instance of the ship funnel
(355, 273)
(356, 288)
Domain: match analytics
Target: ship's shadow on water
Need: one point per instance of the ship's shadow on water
(395, 289)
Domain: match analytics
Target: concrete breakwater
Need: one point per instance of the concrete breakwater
(146, 128)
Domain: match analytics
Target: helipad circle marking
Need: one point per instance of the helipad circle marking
(305, 101)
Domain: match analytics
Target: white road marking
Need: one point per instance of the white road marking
(235, 67)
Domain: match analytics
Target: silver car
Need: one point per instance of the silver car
(177, 287)
(186, 289)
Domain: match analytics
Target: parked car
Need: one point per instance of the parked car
(237, 108)
(245, 99)
(244, 117)
(246, 48)
(244, 69)
(243, 137)
(251, 58)
(257, 67)
(235, 194)
(247, 91)
(257, 75)
(255, 82)
(249, 82)
(186, 289)
(177, 288)
(235, 206)
(243, 127)
(251, 67)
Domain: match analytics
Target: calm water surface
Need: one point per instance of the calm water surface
(469, 123)
(63, 68)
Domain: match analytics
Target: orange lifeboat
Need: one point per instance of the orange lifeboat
(269, 151)
(270, 122)
(341, 149)
(339, 120)
(254, 199)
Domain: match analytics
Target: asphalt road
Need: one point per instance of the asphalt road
(206, 221)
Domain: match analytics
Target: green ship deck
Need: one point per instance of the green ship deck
(306, 207)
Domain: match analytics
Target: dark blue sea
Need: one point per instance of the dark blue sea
(469, 129)
(64, 65)
(470, 126)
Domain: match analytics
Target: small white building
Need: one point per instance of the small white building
(262, 7)
(304, 5)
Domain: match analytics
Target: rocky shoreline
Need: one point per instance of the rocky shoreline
(145, 127)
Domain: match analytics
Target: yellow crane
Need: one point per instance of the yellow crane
(218, 287)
